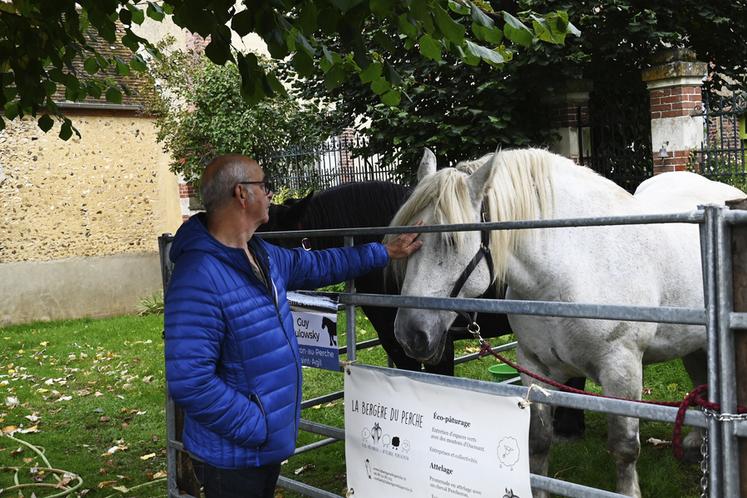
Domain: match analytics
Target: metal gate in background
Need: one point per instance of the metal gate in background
(335, 161)
(722, 464)
(722, 153)
(620, 124)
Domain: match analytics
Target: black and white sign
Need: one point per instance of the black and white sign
(407, 438)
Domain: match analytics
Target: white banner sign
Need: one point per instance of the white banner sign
(408, 438)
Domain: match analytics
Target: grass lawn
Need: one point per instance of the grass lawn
(87, 397)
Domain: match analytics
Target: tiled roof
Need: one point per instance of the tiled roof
(140, 85)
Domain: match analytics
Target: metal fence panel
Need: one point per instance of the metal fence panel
(717, 315)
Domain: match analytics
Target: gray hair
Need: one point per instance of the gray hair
(218, 189)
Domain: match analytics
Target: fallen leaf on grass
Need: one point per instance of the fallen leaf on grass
(33, 417)
(121, 489)
(16, 451)
(105, 484)
(32, 429)
(9, 429)
(120, 446)
(104, 419)
(148, 456)
(658, 443)
(160, 474)
(11, 402)
(67, 478)
(304, 468)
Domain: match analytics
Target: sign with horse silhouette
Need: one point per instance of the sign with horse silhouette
(315, 322)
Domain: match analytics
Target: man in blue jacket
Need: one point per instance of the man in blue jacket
(232, 361)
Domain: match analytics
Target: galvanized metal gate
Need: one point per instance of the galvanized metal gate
(722, 463)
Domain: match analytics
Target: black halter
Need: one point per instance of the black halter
(482, 252)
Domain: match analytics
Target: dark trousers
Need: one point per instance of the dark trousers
(255, 482)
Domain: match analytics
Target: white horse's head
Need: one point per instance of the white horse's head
(459, 195)
(444, 197)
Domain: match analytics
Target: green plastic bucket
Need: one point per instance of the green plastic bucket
(502, 372)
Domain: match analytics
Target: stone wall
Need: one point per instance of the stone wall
(108, 194)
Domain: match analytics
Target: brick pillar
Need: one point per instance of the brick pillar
(569, 118)
(189, 199)
(674, 84)
(347, 165)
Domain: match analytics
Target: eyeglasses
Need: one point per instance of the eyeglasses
(266, 185)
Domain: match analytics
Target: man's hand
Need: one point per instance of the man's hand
(404, 244)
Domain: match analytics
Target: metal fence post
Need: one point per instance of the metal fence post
(350, 339)
(727, 373)
(179, 471)
(739, 292)
(709, 257)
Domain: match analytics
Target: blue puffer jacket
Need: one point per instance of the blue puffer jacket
(232, 358)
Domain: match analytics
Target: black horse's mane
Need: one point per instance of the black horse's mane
(360, 204)
(350, 205)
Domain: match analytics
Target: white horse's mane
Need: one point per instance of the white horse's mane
(518, 188)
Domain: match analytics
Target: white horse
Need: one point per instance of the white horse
(642, 265)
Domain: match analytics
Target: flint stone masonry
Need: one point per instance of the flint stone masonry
(109, 192)
(80, 219)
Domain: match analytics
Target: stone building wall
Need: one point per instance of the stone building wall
(82, 217)
(109, 192)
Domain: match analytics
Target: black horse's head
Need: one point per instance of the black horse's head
(285, 217)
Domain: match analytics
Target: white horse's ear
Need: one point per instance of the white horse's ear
(480, 180)
(427, 164)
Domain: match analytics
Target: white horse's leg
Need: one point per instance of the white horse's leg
(540, 426)
(623, 377)
(696, 366)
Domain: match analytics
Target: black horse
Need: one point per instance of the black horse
(374, 204)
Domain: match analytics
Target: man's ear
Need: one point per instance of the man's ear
(242, 194)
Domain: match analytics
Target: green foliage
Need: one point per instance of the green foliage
(202, 112)
(464, 110)
(39, 40)
(151, 305)
(459, 111)
(282, 193)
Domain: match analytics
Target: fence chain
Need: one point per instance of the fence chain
(704, 465)
(721, 417)
(724, 417)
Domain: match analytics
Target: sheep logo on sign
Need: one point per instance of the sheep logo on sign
(508, 452)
